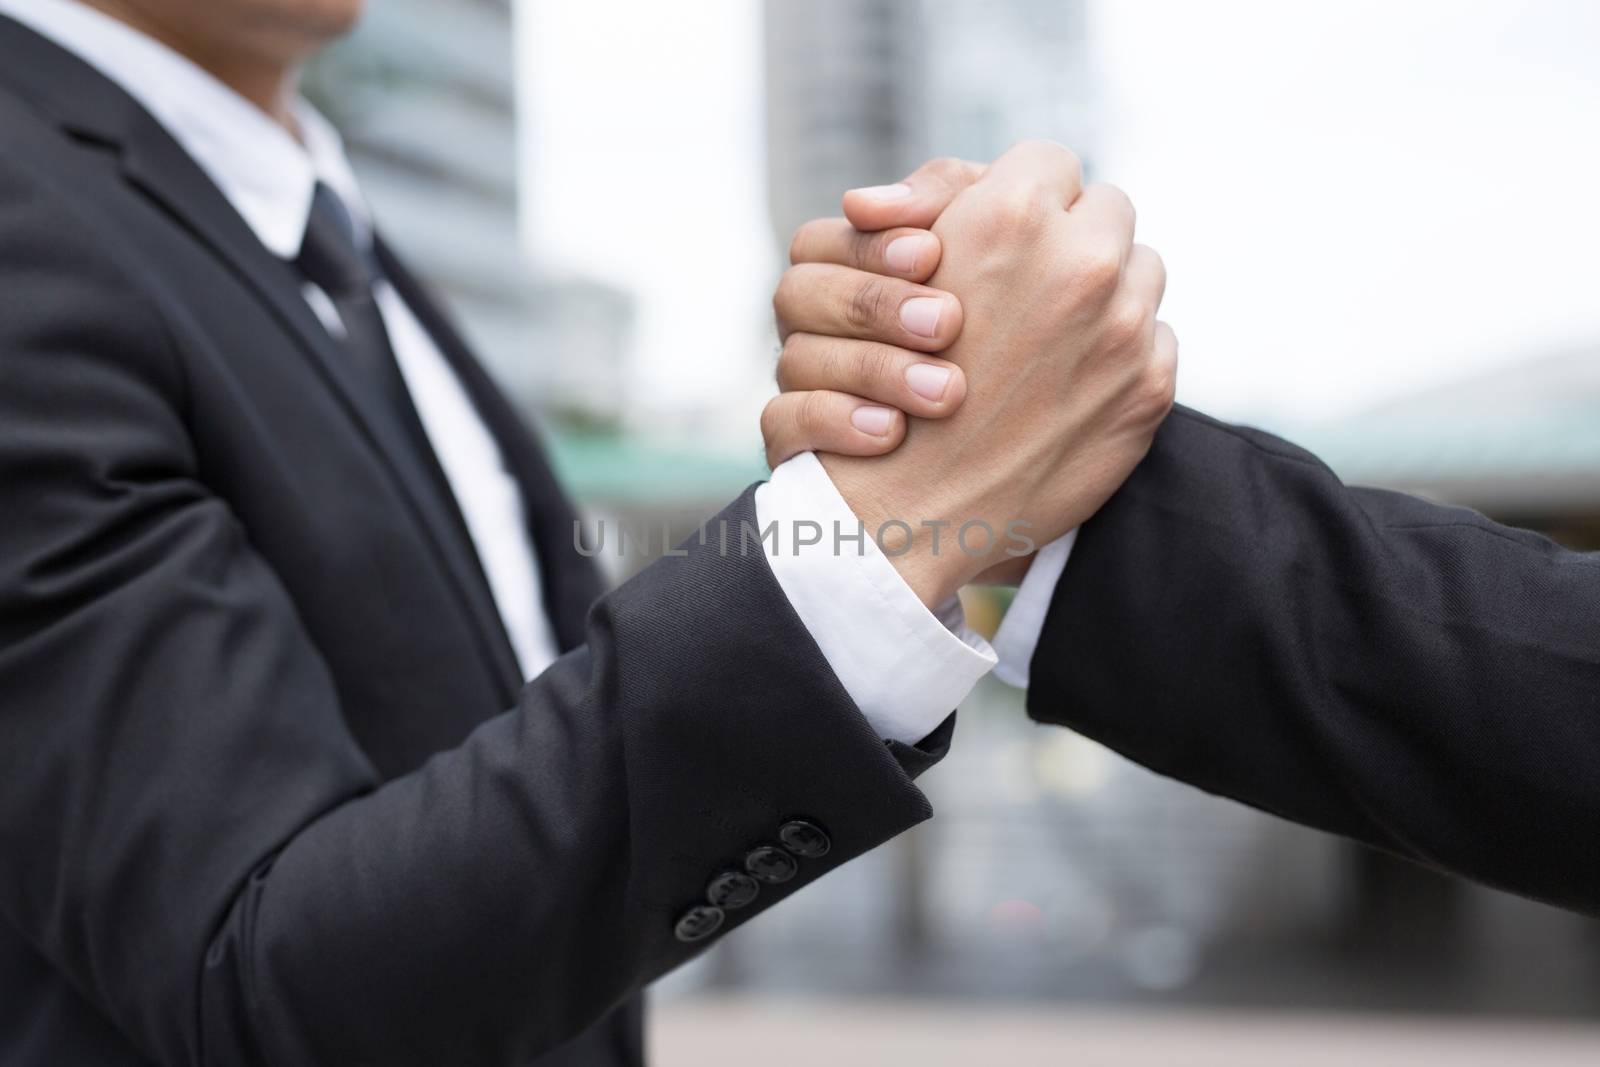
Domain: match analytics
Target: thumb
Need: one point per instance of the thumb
(915, 202)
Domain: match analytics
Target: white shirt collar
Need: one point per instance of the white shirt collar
(264, 172)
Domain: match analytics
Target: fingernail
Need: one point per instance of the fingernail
(920, 315)
(928, 381)
(869, 418)
(897, 191)
(902, 252)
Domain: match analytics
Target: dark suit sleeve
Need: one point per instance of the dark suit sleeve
(189, 833)
(1410, 675)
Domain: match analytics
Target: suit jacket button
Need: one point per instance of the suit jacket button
(770, 864)
(698, 923)
(732, 889)
(804, 838)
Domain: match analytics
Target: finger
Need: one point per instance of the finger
(917, 384)
(840, 302)
(901, 252)
(824, 421)
(1145, 276)
(1042, 170)
(917, 201)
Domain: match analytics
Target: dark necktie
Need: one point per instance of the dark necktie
(332, 260)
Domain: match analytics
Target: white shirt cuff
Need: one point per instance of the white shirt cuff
(905, 667)
(1019, 631)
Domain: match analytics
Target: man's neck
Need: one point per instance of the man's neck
(267, 84)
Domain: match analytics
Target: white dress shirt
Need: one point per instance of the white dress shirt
(904, 666)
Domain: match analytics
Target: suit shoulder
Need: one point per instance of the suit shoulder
(63, 283)
(40, 223)
(46, 179)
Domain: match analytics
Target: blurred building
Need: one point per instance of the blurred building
(425, 98)
(998, 71)
(860, 92)
(844, 103)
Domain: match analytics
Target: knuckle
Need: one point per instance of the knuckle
(1051, 153)
(1016, 215)
(1098, 268)
(1152, 270)
(1127, 324)
(1073, 166)
(1167, 354)
(1158, 266)
(877, 365)
(1060, 156)
(834, 366)
(813, 414)
(864, 310)
(1115, 194)
(1028, 146)
(949, 171)
(864, 247)
(1156, 389)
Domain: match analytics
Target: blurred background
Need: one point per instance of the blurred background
(1381, 225)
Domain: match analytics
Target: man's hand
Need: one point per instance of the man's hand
(851, 368)
(1069, 372)
(859, 334)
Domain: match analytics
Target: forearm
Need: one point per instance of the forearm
(1410, 675)
(197, 841)
(517, 887)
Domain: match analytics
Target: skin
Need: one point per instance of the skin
(255, 47)
(1067, 371)
(837, 315)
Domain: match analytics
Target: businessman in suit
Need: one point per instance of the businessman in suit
(318, 742)
(1404, 673)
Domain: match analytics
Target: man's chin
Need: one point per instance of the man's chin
(302, 27)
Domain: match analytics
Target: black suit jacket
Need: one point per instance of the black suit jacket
(1410, 675)
(271, 789)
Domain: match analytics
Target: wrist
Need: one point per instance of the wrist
(927, 570)
(923, 551)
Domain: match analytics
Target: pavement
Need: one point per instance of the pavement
(777, 1032)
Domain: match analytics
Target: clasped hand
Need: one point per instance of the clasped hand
(1052, 373)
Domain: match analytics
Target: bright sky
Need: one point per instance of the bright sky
(1354, 198)
(1358, 198)
(646, 167)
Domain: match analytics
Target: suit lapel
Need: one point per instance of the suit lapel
(90, 106)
